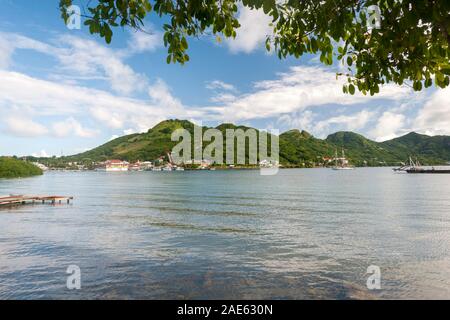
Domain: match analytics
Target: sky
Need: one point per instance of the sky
(65, 91)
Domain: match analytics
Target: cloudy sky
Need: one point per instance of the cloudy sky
(64, 91)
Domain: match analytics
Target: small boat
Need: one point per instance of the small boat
(341, 163)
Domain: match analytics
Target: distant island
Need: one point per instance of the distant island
(15, 168)
(297, 148)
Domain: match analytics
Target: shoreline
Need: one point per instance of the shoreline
(225, 169)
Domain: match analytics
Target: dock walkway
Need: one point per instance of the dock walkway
(24, 199)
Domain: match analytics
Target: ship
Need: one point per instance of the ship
(415, 167)
(342, 162)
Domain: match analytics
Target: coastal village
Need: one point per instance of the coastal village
(161, 164)
(167, 164)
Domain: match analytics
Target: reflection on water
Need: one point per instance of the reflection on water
(302, 234)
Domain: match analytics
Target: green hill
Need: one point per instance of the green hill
(14, 168)
(363, 151)
(428, 149)
(150, 145)
(300, 147)
(297, 148)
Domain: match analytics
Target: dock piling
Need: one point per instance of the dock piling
(22, 200)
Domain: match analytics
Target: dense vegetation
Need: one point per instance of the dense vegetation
(15, 168)
(297, 148)
(377, 42)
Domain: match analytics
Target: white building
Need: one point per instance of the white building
(116, 165)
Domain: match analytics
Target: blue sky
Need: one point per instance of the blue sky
(65, 91)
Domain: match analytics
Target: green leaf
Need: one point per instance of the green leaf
(401, 51)
(351, 89)
(184, 43)
(108, 34)
(349, 61)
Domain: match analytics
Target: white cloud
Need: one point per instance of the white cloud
(16, 41)
(79, 59)
(434, 117)
(87, 58)
(291, 96)
(352, 122)
(220, 85)
(253, 31)
(21, 94)
(71, 126)
(9, 42)
(302, 121)
(223, 98)
(24, 127)
(160, 94)
(6, 50)
(300, 88)
(307, 120)
(129, 131)
(41, 154)
(144, 42)
(389, 126)
(107, 116)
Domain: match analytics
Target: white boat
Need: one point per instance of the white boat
(341, 163)
(343, 168)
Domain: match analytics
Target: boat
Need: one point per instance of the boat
(430, 171)
(415, 167)
(401, 169)
(405, 167)
(341, 163)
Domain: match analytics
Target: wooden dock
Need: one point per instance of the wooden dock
(24, 199)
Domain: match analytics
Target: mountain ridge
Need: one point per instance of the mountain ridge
(297, 147)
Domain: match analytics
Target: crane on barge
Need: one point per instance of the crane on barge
(414, 167)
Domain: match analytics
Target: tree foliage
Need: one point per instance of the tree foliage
(409, 44)
(15, 168)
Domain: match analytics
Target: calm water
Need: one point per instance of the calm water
(208, 235)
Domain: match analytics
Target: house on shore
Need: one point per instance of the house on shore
(116, 165)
